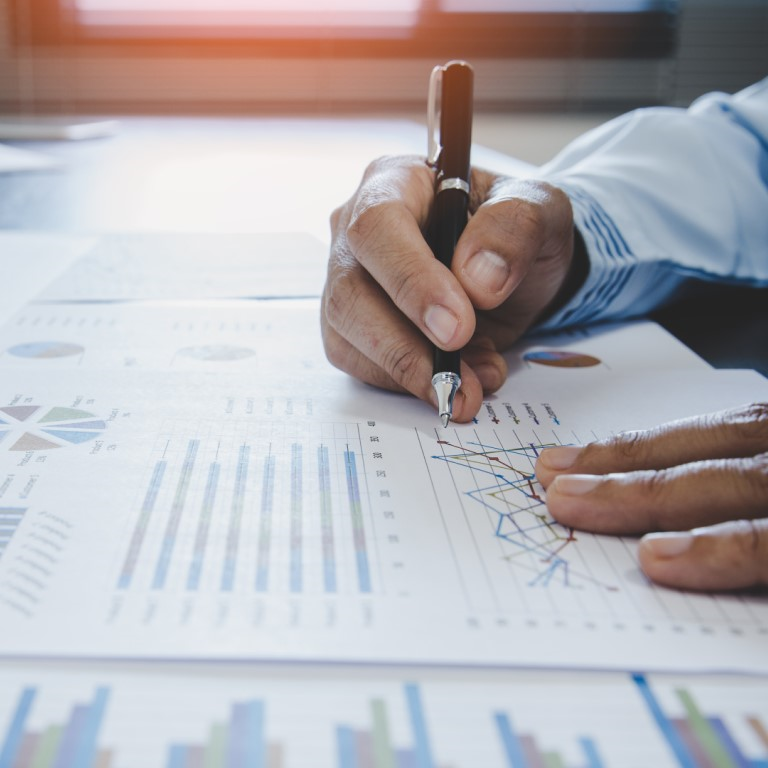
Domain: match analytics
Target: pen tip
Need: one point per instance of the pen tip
(445, 418)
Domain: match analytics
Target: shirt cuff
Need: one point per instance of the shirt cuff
(617, 286)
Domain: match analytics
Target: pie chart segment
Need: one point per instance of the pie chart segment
(36, 428)
(45, 350)
(556, 358)
(217, 353)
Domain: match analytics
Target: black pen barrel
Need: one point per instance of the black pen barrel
(449, 219)
(456, 120)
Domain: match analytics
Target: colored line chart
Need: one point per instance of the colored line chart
(498, 477)
(40, 428)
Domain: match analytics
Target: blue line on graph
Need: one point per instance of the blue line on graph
(522, 520)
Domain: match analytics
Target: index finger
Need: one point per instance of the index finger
(730, 434)
(384, 234)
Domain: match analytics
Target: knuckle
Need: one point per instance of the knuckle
(341, 299)
(336, 354)
(759, 548)
(335, 217)
(747, 541)
(404, 282)
(527, 210)
(756, 489)
(750, 423)
(744, 482)
(629, 446)
(379, 164)
(519, 220)
(401, 361)
(372, 221)
(655, 485)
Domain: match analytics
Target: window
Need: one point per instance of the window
(371, 28)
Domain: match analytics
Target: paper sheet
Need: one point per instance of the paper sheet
(271, 507)
(14, 160)
(30, 261)
(340, 718)
(244, 337)
(193, 267)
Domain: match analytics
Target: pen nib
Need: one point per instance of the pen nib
(446, 385)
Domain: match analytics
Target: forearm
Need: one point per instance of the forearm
(665, 196)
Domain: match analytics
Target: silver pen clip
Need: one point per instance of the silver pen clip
(433, 116)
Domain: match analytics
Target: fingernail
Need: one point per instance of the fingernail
(575, 485)
(561, 457)
(442, 323)
(487, 270)
(668, 544)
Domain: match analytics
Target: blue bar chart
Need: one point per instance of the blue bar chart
(522, 749)
(378, 719)
(73, 743)
(699, 739)
(373, 747)
(10, 519)
(237, 743)
(261, 509)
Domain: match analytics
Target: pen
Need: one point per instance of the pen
(450, 97)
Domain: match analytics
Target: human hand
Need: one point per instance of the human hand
(699, 485)
(387, 297)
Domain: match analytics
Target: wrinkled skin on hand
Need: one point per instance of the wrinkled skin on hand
(387, 298)
(698, 489)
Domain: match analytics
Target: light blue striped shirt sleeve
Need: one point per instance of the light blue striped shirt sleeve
(664, 196)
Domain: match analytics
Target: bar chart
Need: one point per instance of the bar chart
(10, 519)
(233, 526)
(71, 743)
(697, 738)
(373, 718)
(373, 746)
(257, 507)
(240, 741)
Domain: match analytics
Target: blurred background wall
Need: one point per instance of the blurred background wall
(717, 44)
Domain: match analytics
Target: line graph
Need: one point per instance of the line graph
(498, 476)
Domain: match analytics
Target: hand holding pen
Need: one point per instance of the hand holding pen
(388, 302)
(448, 154)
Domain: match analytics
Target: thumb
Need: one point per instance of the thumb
(731, 555)
(521, 225)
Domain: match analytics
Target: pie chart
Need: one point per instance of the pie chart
(217, 353)
(43, 350)
(561, 358)
(42, 428)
